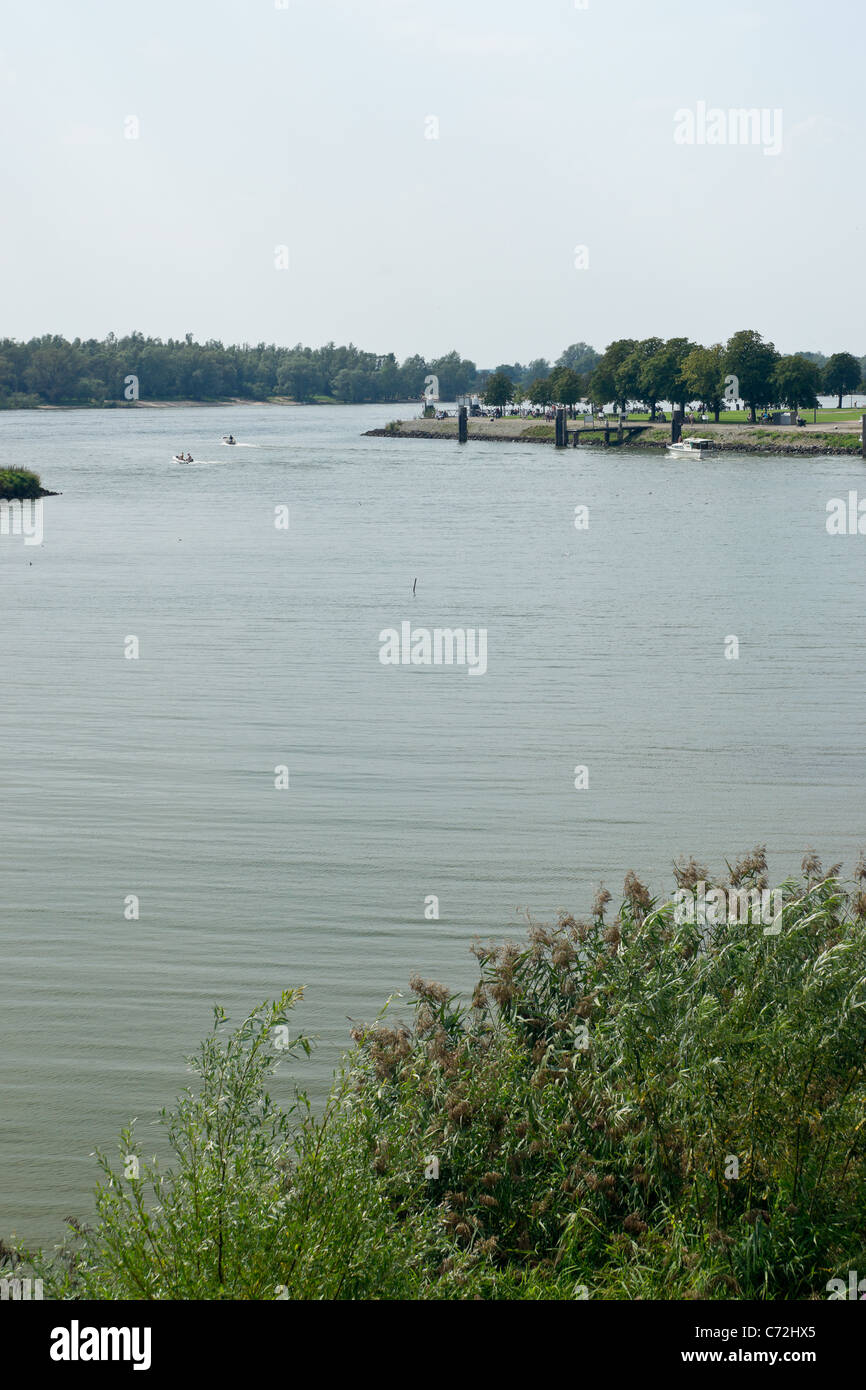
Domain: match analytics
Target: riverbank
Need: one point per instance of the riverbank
(28, 403)
(742, 439)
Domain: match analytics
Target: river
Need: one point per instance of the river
(152, 777)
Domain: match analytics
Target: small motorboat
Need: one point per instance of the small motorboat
(229, 439)
(692, 447)
(179, 458)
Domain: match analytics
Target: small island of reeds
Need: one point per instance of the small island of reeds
(21, 483)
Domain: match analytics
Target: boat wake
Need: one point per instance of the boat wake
(199, 463)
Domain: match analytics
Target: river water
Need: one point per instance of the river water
(258, 649)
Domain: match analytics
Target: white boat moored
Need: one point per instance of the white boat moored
(693, 447)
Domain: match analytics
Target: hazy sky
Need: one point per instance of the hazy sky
(307, 127)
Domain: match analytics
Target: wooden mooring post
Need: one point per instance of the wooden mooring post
(676, 426)
(863, 435)
(561, 429)
(462, 425)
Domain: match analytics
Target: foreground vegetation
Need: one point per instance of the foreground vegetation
(630, 1106)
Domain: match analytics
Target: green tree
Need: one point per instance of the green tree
(540, 391)
(604, 383)
(820, 358)
(456, 375)
(752, 362)
(841, 375)
(351, 385)
(8, 375)
(798, 381)
(661, 372)
(540, 367)
(298, 378)
(412, 374)
(580, 357)
(703, 373)
(566, 386)
(498, 390)
(53, 370)
(633, 378)
(513, 370)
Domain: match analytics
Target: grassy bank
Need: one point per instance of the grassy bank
(632, 1104)
(16, 482)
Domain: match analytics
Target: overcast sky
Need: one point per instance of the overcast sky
(308, 127)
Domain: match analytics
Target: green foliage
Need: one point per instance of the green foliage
(841, 375)
(580, 358)
(499, 389)
(566, 386)
(540, 390)
(637, 377)
(19, 482)
(753, 363)
(50, 370)
(606, 382)
(703, 374)
(646, 1105)
(798, 381)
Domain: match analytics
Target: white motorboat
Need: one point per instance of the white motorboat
(179, 458)
(692, 447)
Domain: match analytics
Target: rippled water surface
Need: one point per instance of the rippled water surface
(259, 647)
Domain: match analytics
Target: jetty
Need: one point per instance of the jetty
(846, 437)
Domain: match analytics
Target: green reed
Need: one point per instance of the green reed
(629, 1105)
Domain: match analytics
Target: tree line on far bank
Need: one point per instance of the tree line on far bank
(647, 371)
(51, 370)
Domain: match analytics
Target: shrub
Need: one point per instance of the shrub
(17, 482)
(629, 1105)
